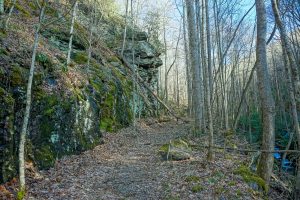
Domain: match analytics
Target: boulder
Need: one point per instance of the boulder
(175, 150)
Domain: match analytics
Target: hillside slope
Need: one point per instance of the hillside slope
(71, 107)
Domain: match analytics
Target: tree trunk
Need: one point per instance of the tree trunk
(71, 33)
(266, 161)
(287, 47)
(1, 7)
(288, 59)
(134, 105)
(28, 104)
(187, 66)
(125, 29)
(166, 68)
(92, 20)
(195, 63)
(208, 78)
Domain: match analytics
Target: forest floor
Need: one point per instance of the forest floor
(128, 166)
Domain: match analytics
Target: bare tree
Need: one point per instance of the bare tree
(266, 161)
(1, 7)
(187, 63)
(195, 63)
(71, 32)
(208, 79)
(125, 29)
(28, 100)
(288, 59)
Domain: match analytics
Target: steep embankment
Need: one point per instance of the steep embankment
(71, 106)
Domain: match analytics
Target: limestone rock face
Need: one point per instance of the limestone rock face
(175, 150)
(144, 58)
(69, 110)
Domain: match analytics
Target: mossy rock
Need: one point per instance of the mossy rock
(175, 150)
(250, 177)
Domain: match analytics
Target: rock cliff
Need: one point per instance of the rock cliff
(71, 107)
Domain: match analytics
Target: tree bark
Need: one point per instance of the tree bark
(125, 29)
(208, 80)
(71, 33)
(28, 104)
(288, 59)
(266, 161)
(195, 64)
(287, 47)
(1, 7)
(187, 65)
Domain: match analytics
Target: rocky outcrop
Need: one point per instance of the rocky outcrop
(145, 60)
(144, 57)
(70, 108)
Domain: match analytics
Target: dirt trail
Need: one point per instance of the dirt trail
(127, 166)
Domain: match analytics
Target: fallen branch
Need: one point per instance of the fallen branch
(249, 150)
(282, 184)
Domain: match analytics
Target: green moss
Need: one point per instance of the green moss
(44, 157)
(232, 183)
(39, 93)
(229, 133)
(113, 59)
(164, 148)
(18, 75)
(179, 143)
(3, 33)
(22, 10)
(2, 91)
(6, 100)
(192, 179)
(46, 128)
(107, 124)
(49, 112)
(239, 193)
(219, 190)
(32, 5)
(45, 61)
(6, 97)
(79, 94)
(21, 194)
(3, 51)
(80, 57)
(197, 188)
(250, 177)
(96, 85)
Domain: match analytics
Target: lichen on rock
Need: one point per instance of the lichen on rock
(175, 150)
